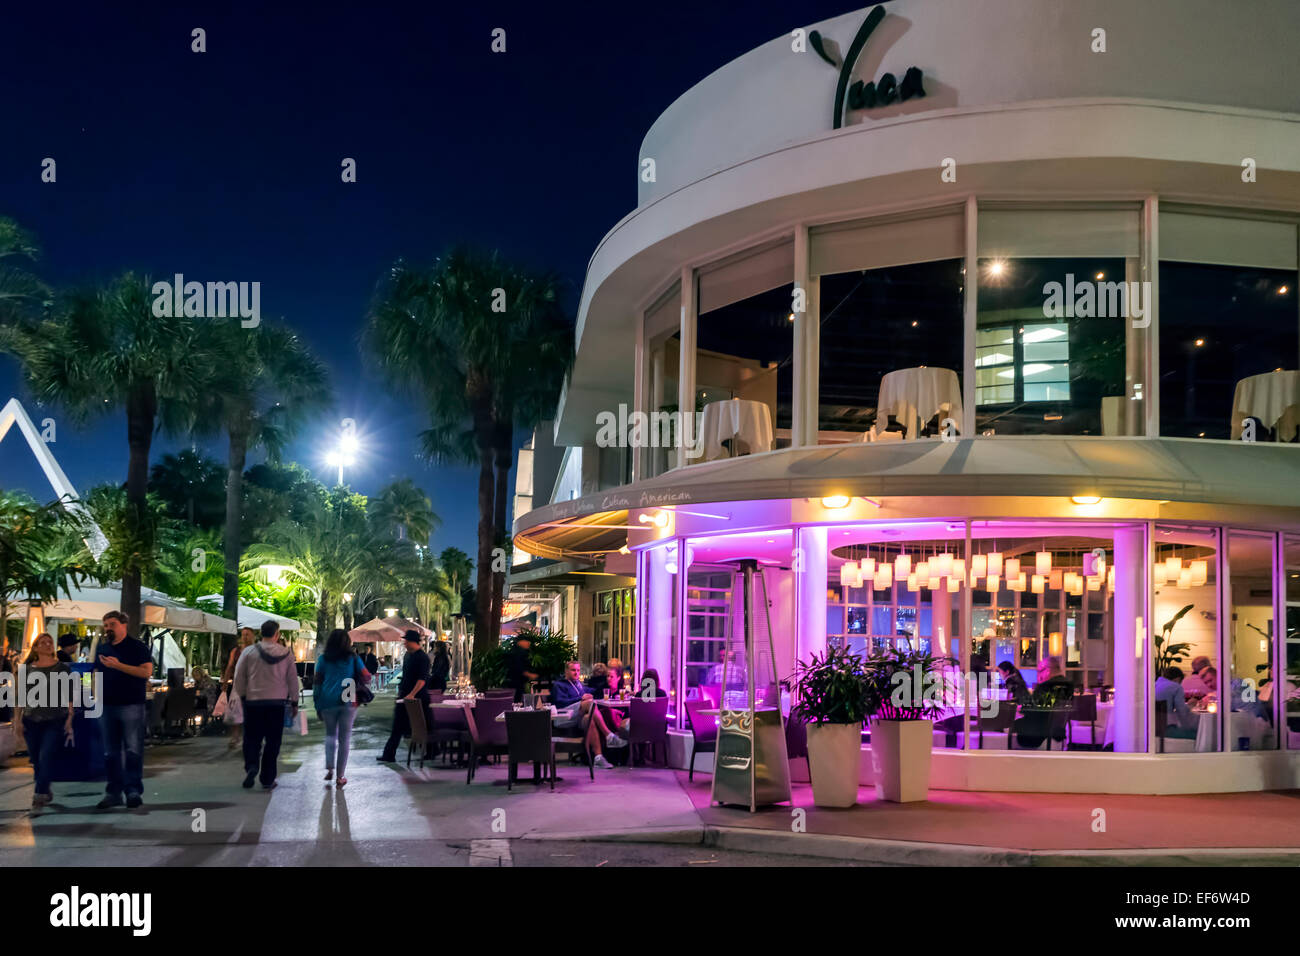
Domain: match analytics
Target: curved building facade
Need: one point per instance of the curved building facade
(975, 324)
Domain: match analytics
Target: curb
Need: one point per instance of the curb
(912, 853)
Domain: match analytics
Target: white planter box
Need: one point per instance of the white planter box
(835, 763)
(900, 758)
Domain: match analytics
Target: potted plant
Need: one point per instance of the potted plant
(832, 702)
(905, 692)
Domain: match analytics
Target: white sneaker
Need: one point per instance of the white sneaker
(615, 741)
(602, 763)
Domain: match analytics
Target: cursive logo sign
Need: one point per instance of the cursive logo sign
(860, 96)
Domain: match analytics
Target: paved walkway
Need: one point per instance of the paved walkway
(196, 813)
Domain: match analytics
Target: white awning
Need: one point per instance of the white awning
(91, 603)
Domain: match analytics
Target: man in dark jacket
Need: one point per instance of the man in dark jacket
(518, 672)
(413, 686)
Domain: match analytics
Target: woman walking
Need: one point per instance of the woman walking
(339, 674)
(45, 728)
(246, 638)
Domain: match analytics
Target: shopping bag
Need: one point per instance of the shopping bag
(234, 710)
(220, 707)
(302, 722)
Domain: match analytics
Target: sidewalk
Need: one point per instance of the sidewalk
(197, 814)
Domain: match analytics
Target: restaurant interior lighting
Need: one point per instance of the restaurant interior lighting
(934, 582)
(1200, 573)
(911, 581)
(992, 582)
(954, 584)
(847, 572)
(923, 570)
(995, 562)
(959, 568)
(944, 564)
(884, 576)
(1185, 578)
(1159, 575)
(1017, 583)
(1054, 579)
(868, 567)
(1036, 584)
(902, 565)
(1011, 568)
(1094, 583)
(659, 519)
(1043, 562)
(979, 565)
(1086, 499)
(835, 502)
(1173, 567)
(1054, 643)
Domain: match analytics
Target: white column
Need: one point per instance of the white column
(807, 344)
(810, 592)
(970, 304)
(640, 396)
(655, 604)
(686, 366)
(1132, 640)
(1150, 251)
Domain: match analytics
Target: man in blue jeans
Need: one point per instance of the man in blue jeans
(126, 666)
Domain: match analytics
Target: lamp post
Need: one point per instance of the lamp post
(345, 454)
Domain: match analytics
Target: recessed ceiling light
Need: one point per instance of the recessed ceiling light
(835, 502)
(1085, 499)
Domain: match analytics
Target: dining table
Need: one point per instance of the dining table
(1271, 397)
(915, 395)
(746, 425)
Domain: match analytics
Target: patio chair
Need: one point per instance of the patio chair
(419, 729)
(1000, 723)
(704, 731)
(179, 709)
(578, 744)
(1084, 711)
(450, 726)
(487, 734)
(648, 725)
(528, 740)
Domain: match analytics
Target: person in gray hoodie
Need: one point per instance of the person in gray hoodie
(267, 679)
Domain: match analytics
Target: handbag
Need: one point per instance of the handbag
(364, 694)
(234, 710)
(220, 707)
(302, 722)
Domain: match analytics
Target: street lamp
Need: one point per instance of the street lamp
(345, 455)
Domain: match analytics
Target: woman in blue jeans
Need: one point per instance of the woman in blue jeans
(339, 673)
(46, 728)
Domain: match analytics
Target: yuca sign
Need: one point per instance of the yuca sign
(859, 95)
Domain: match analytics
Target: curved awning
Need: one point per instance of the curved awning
(1174, 469)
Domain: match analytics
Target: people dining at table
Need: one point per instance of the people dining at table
(1194, 685)
(518, 672)
(1017, 689)
(576, 712)
(1180, 722)
(600, 684)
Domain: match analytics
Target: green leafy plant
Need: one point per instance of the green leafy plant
(1168, 654)
(549, 655)
(831, 689)
(906, 685)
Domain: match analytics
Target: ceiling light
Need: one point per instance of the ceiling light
(1086, 499)
(835, 502)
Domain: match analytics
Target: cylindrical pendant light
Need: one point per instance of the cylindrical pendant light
(1011, 568)
(992, 582)
(868, 568)
(884, 576)
(1185, 578)
(1200, 573)
(923, 570)
(954, 583)
(1043, 563)
(1159, 574)
(902, 566)
(944, 564)
(934, 583)
(1055, 579)
(848, 570)
(959, 569)
(979, 565)
(1094, 583)
(1036, 584)
(1173, 567)
(911, 581)
(995, 562)
(1054, 643)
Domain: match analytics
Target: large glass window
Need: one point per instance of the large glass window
(1185, 641)
(1251, 675)
(889, 322)
(1291, 683)
(1224, 332)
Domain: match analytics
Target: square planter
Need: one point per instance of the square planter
(835, 763)
(900, 757)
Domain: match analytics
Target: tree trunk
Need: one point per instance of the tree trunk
(141, 413)
(323, 627)
(503, 454)
(484, 639)
(235, 460)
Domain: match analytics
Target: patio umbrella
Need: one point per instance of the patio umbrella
(376, 630)
(403, 625)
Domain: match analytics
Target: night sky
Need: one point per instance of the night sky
(225, 166)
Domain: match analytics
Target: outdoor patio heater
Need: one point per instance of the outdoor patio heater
(460, 650)
(750, 767)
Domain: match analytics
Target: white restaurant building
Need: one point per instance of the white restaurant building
(900, 317)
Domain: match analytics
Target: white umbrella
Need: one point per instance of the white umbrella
(375, 630)
(253, 617)
(157, 609)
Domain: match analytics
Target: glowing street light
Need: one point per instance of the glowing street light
(345, 455)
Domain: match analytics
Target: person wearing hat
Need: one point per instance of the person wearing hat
(68, 647)
(414, 686)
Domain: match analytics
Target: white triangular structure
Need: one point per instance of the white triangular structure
(14, 413)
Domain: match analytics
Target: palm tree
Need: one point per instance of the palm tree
(489, 379)
(192, 486)
(403, 507)
(20, 291)
(105, 350)
(41, 551)
(271, 383)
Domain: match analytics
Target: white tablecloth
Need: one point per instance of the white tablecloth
(915, 395)
(748, 425)
(1266, 397)
(1243, 724)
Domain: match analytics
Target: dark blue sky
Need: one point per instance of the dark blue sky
(225, 165)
